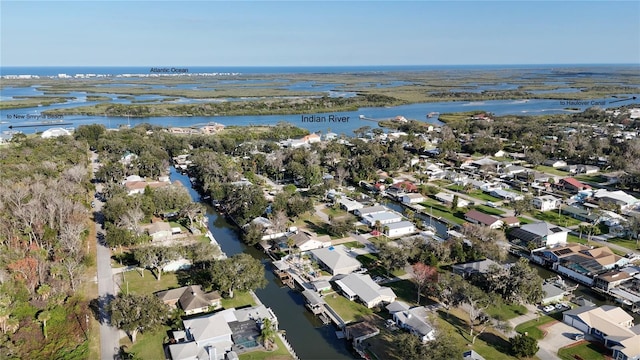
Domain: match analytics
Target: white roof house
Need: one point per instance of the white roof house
(363, 288)
(621, 198)
(541, 233)
(349, 204)
(415, 320)
(387, 217)
(371, 210)
(412, 198)
(546, 202)
(337, 259)
(447, 198)
(400, 228)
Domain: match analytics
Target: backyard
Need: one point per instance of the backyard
(584, 350)
(348, 310)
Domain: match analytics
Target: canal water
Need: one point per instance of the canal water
(310, 338)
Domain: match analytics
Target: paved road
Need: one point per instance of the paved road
(109, 336)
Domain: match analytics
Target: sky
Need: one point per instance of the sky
(309, 33)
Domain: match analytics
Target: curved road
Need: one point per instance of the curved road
(109, 336)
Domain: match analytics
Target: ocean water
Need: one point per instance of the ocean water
(119, 70)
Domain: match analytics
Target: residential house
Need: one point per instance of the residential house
(585, 265)
(506, 195)
(554, 163)
(350, 205)
(618, 198)
(512, 169)
(159, 231)
(359, 332)
(305, 241)
(552, 293)
(362, 288)
(369, 210)
(269, 232)
(511, 221)
(191, 299)
(546, 202)
(471, 355)
(405, 187)
(415, 321)
(206, 337)
(336, 259)
(447, 198)
(383, 218)
(611, 279)
(609, 324)
(480, 267)
(539, 234)
(477, 217)
(412, 198)
(313, 301)
(572, 185)
(587, 169)
(399, 229)
(582, 214)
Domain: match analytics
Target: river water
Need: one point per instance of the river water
(308, 336)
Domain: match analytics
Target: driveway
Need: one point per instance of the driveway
(558, 336)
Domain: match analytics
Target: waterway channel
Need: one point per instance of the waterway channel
(308, 336)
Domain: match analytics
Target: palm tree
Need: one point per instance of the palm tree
(268, 334)
(43, 317)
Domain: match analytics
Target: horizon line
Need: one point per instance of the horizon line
(329, 66)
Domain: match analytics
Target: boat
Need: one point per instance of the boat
(432, 114)
(361, 116)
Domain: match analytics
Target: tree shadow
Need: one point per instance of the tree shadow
(99, 308)
(496, 342)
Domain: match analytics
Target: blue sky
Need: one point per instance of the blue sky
(307, 33)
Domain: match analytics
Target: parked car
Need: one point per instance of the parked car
(549, 308)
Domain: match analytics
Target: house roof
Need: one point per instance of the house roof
(480, 266)
(362, 329)
(184, 350)
(383, 216)
(551, 290)
(405, 185)
(609, 320)
(511, 220)
(631, 346)
(336, 257)
(543, 228)
(416, 319)
(372, 210)
(189, 297)
(575, 183)
(364, 287)
(414, 196)
(400, 225)
(396, 306)
(618, 196)
(481, 217)
(208, 326)
(312, 297)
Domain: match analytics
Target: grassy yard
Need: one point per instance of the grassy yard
(147, 284)
(531, 327)
(240, 298)
(483, 196)
(490, 345)
(437, 209)
(280, 353)
(629, 244)
(148, 345)
(353, 244)
(505, 311)
(592, 178)
(348, 310)
(488, 210)
(524, 220)
(555, 218)
(585, 350)
(406, 291)
(336, 213)
(370, 261)
(551, 170)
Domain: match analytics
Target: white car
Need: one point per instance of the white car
(549, 308)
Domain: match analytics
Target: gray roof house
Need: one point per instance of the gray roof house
(363, 288)
(415, 320)
(191, 299)
(475, 267)
(337, 259)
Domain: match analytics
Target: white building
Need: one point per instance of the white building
(415, 321)
(546, 202)
(337, 259)
(447, 198)
(361, 287)
(383, 218)
(400, 228)
(412, 198)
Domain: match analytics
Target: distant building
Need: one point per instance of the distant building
(540, 234)
(572, 185)
(191, 299)
(336, 259)
(477, 217)
(362, 288)
(55, 132)
(415, 321)
(399, 229)
(546, 202)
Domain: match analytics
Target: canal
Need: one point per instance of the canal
(307, 334)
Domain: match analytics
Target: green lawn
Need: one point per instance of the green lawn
(551, 170)
(348, 310)
(281, 353)
(629, 244)
(524, 220)
(531, 327)
(370, 261)
(406, 291)
(147, 284)
(148, 345)
(490, 345)
(488, 210)
(437, 209)
(505, 311)
(353, 244)
(586, 350)
(555, 218)
(483, 196)
(240, 298)
(334, 212)
(591, 178)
